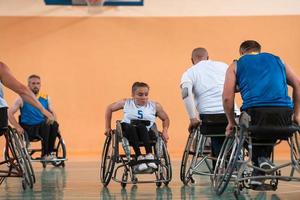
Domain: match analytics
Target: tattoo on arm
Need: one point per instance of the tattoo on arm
(184, 92)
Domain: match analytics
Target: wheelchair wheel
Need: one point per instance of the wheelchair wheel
(60, 152)
(21, 162)
(27, 158)
(164, 172)
(226, 162)
(108, 158)
(188, 157)
(295, 150)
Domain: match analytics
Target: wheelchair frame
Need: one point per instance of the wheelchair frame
(234, 161)
(112, 161)
(59, 150)
(17, 159)
(195, 156)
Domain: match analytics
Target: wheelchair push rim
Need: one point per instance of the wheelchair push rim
(108, 159)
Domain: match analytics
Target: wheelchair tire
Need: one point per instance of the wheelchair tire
(108, 158)
(224, 168)
(187, 158)
(21, 162)
(60, 152)
(167, 162)
(158, 184)
(27, 158)
(295, 151)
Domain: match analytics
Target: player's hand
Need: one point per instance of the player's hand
(165, 136)
(49, 116)
(107, 131)
(20, 130)
(230, 129)
(194, 122)
(296, 119)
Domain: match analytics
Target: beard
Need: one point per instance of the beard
(35, 90)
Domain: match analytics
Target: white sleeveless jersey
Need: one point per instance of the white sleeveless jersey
(207, 78)
(2, 101)
(136, 112)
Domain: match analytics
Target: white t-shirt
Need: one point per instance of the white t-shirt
(2, 101)
(136, 112)
(207, 78)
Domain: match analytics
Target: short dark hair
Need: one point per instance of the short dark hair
(249, 46)
(199, 52)
(33, 76)
(137, 85)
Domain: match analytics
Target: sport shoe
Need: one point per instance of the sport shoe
(256, 182)
(47, 158)
(142, 166)
(265, 163)
(150, 156)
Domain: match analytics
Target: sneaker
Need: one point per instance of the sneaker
(47, 158)
(256, 182)
(142, 166)
(151, 164)
(265, 163)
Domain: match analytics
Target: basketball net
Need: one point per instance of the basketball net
(95, 6)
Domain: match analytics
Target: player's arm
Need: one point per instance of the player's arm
(229, 95)
(50, 107)
(188, 99)
(108, 114)
(11, 114)
(165, 120)
(294, 81)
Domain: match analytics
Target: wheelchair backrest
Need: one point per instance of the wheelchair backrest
(269, 122)
(213, 124)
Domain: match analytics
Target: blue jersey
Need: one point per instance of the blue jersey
(262, 81)
(31, 115)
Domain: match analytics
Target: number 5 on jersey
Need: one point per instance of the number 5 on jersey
(140, 114)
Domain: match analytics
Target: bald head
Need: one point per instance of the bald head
(199, 54)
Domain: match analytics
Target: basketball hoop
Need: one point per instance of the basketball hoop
(94, 6)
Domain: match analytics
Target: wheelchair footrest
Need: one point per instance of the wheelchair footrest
(52, 160)
(148, 171)
(263, 187)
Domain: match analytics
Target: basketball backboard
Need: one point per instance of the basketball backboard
(106, 3)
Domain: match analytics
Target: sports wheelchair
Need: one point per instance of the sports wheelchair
(234, 161)
(197, 157)
(121, 167)
(17, 159)
(59, 151)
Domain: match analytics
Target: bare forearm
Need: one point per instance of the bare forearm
(108, 116)
(296, 100)
(12, 119)
(228, 105)
(166, 124)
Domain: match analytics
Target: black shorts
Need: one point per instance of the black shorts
(3, 119)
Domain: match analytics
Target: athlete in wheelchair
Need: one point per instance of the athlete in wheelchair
(268, 117)
(202, 88)
(36, 128)
(136, 129)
